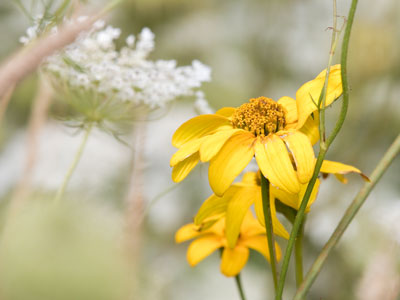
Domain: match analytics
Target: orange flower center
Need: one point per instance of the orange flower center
(260, 116)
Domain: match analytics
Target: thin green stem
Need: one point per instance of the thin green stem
(239, 286)
(322, 152)
(269, 228)
(75, 162)
(328, 69)
(343, 62)
(297, 224)
(298, 254)
(351, 211)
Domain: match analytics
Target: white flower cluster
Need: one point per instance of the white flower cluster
(93, 62)
(38, 27)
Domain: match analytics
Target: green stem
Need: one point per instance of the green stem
(328, 70)
(351, 211)
(269, 228)
(75, 162)
(297, 223)
(298, 254)
(323, 149)
(239, 286)
(343, 62)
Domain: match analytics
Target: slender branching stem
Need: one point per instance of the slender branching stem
(343, 62)
(322, 99)
(323, 149)
(75, 162)
(269, 228)
(351, 211)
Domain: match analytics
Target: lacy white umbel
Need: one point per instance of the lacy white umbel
(94, 63)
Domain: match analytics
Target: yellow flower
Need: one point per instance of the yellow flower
(236, 201)
(278, 134)
(234, 204)
(252, 235)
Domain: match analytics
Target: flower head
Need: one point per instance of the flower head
(278, 134)
(236, 201)
(252, 236)
(94, 62)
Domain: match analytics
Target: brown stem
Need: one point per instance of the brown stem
(4, 101)
(135, 200)
(38, 118)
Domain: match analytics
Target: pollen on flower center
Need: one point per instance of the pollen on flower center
(260, 116)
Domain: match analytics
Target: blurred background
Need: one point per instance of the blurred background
(254, 48)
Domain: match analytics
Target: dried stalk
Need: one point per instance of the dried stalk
(135, 200)
(37, 120)
(28, 59)
(5, 100)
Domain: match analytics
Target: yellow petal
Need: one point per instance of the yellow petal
(237, 208)
(233, 260)
(234, 156)
(250, 225)
(337, 167)
(260, 244)
(187, 232)
(285, 197)
(213, 143)
(202, 247)
(185, 151)
(182, 169)
(214, 205)
(251, 178)
(294, 201)
(340, 169)
(313, 196)
(341, 178)
(303, 154)
(259, 210)
(291, 111)
(198, 127)
(274, 162)
(277, 226)
(226, 111)
(310, 92)
(311, 128)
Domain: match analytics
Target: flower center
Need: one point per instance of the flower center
(260, 116)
